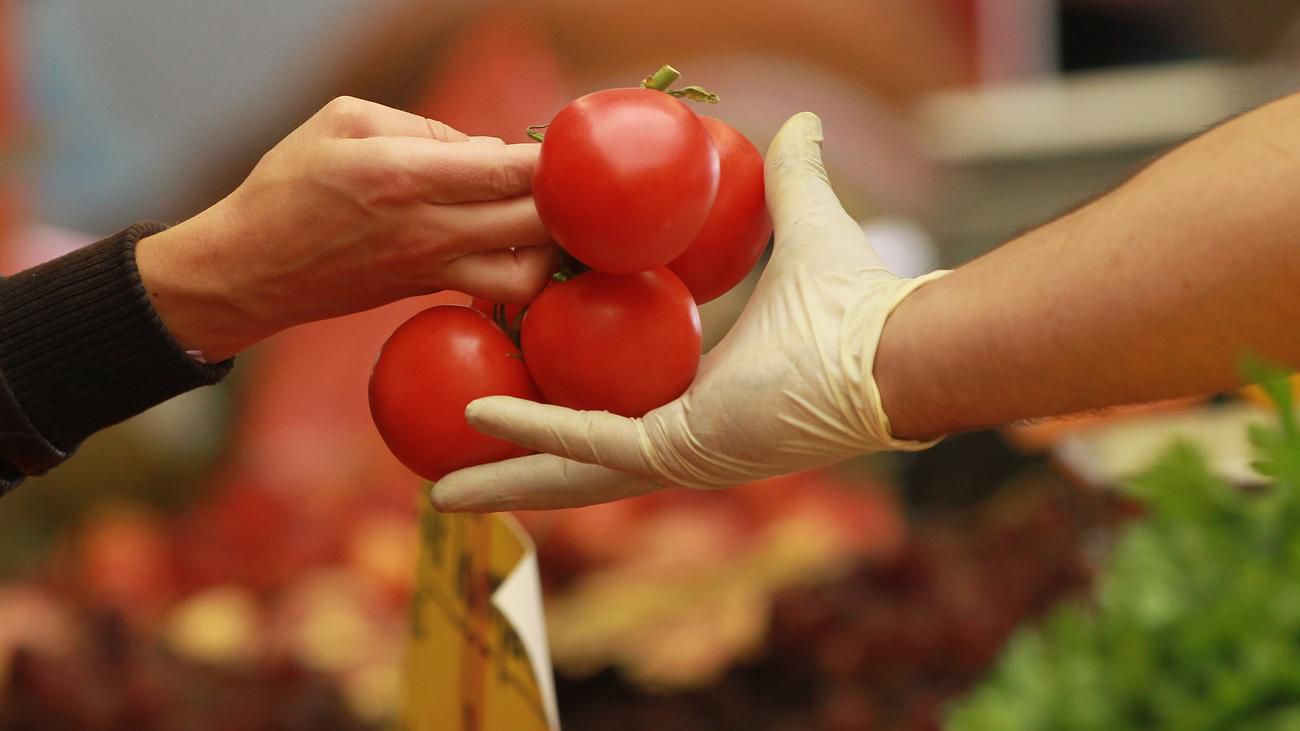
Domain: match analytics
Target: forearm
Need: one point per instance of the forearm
(1154, 291)
(80, 349)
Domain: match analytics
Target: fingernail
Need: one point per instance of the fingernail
(487, 139)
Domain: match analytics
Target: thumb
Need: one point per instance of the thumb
(799, 195)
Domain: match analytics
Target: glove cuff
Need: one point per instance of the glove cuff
(879, 426)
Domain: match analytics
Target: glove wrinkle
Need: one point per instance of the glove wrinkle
(790, 387)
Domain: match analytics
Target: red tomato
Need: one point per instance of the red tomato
(625, 343)
(625, 179)
(427, 372)
(738, 227)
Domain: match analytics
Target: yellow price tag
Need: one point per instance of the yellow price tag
(478, 659)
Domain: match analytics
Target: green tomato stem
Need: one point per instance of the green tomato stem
(662, 79)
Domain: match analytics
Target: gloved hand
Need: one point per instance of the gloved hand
(790, 387)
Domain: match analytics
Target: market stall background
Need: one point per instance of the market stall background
(241, 558)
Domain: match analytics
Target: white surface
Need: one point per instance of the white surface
(1089, 112)
(903, 245)
(519, 599)
(1112, 453)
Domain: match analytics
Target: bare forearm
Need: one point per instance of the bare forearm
(1153, 291)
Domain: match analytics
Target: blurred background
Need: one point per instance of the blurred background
(242, 557)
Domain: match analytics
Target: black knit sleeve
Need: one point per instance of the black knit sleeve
(81, 349)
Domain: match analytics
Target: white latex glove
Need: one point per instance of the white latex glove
(789, 388)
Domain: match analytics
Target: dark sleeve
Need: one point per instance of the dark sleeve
(81, 349)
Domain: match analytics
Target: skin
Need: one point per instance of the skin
(360, 206)
(1155, 290)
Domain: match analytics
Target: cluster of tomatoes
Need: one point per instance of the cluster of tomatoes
(658, 210)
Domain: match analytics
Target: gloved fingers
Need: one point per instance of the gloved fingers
(804, 208)
(596, 437)
(535, 482)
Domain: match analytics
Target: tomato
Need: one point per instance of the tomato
(625, 343)
(625, 179)
(430, 368)
(737, 228)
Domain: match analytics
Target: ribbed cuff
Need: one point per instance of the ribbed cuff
(81, 346)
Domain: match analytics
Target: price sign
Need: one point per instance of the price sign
(478, 659)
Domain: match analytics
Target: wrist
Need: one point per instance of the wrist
(190, 291)
(910, 393)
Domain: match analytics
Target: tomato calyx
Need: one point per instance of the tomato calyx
(535, 132)
(695, 94)
(666, 75)
(658, 81)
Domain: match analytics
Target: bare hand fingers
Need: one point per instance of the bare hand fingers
(507, 276)
(354, 118)
(447, 173)
(469, 228)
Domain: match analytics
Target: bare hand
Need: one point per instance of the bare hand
(360, 206)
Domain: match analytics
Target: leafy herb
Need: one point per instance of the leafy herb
(1196, 624)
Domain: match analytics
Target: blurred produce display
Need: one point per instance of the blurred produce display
(234, 603)
(1195, 623)
(806, 602)
(118, 679)
(884, 644)
(144, 593)
(673, 588)
(809, 595)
